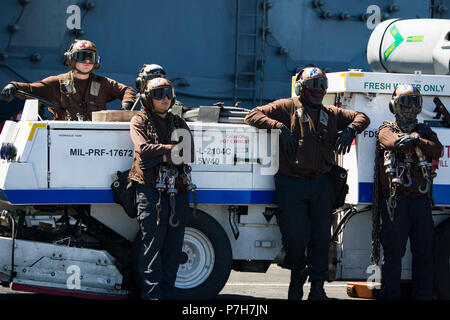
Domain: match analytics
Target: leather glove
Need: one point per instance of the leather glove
(288, 141)
(425, 129)
(146, 164)
(345, 140)
(9, 92)
(406, 141)
(127, 105)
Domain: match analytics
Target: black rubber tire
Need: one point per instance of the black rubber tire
(214, 283)
(442, 262)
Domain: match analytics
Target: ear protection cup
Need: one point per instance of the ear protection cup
(298, 87)
(145, 101)
(392, 102)
(391, 106)
(139, 84)
(67, 57)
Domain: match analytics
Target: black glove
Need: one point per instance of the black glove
(127, 105)
(9, 92)
(425, 130)
(345, 139)
(288, 141)
(145, 164)
(406, 141)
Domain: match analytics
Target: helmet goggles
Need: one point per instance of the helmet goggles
(83, 55)
(316, 83)
(409, 100)
(155, 74)
(151, 71)
(161, 92)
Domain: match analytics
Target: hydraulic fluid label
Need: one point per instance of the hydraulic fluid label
(236, 150)
(217, 148)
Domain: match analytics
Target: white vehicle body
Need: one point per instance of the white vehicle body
(67, 163)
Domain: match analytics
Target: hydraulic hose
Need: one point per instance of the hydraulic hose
(43, 101)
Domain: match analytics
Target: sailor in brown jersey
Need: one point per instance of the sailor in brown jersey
(79, 92)
(160, 240)
(304, 189)
(406, 151)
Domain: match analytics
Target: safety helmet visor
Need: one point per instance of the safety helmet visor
(316, 83)
(85, 55)
(410, 101)
(155, 74)
(161, 92)
(152, 71)
(409, 106)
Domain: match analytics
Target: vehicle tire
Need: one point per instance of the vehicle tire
(206, 259)
(442, 263)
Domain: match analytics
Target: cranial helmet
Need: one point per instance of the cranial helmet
(406, 102)
(158, 88)
(148, 72)
(311, 77)
(79, 51)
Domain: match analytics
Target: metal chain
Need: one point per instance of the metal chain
(160, 186)
(376, 208)
(158, 209)
(187, 180)
(172, 212)
(376, 201)
(172, 191)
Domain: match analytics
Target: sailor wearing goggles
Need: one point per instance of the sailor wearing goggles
(310, 134)
(79, 92)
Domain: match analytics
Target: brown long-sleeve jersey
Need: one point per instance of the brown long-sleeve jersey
(145, 146)
(315, 130)
(77, 96)
(430, 146)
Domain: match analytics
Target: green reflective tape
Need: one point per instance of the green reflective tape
(397, 40)
(415, 39)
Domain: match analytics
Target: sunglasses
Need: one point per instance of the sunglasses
(161, 92)
(316, 83)
(84, 55)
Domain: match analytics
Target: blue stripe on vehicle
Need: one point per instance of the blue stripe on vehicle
(235, 196)
(441, 193)
(51, 196)
(89, 196)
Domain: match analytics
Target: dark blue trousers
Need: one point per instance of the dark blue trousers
(159, 248)
(304, 217)
(413, 220)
